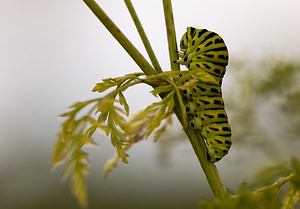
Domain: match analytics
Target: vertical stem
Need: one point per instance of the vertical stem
(143, 36)
(171, 35)
(195, 137)
(209, 169)
(120, 37)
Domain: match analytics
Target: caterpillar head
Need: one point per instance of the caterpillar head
(184, 42)
(187, 36)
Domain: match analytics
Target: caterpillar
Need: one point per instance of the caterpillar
(205, 52)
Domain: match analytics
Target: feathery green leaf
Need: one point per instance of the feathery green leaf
(123, 102)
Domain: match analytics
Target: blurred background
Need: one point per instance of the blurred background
(53, 52)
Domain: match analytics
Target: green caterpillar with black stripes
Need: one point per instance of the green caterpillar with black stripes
(206, 52)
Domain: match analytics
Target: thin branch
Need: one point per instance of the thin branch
(143, 36)
(209, 169)
(120, 37)
(195, 137)
(276, 185)
(171, 35)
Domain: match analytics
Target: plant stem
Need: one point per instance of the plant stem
(277, 185)
(120, 37)
(209, 169)
(171, 35)
(195, 137)
(143, 36)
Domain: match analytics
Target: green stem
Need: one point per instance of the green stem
(277, 185)
(143, 36)
(195, 137)
(120, 37)
(209, 169)
(171, 35)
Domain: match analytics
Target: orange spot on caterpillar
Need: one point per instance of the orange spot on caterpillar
(208, 130)
(195, 88)
(203, 117)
